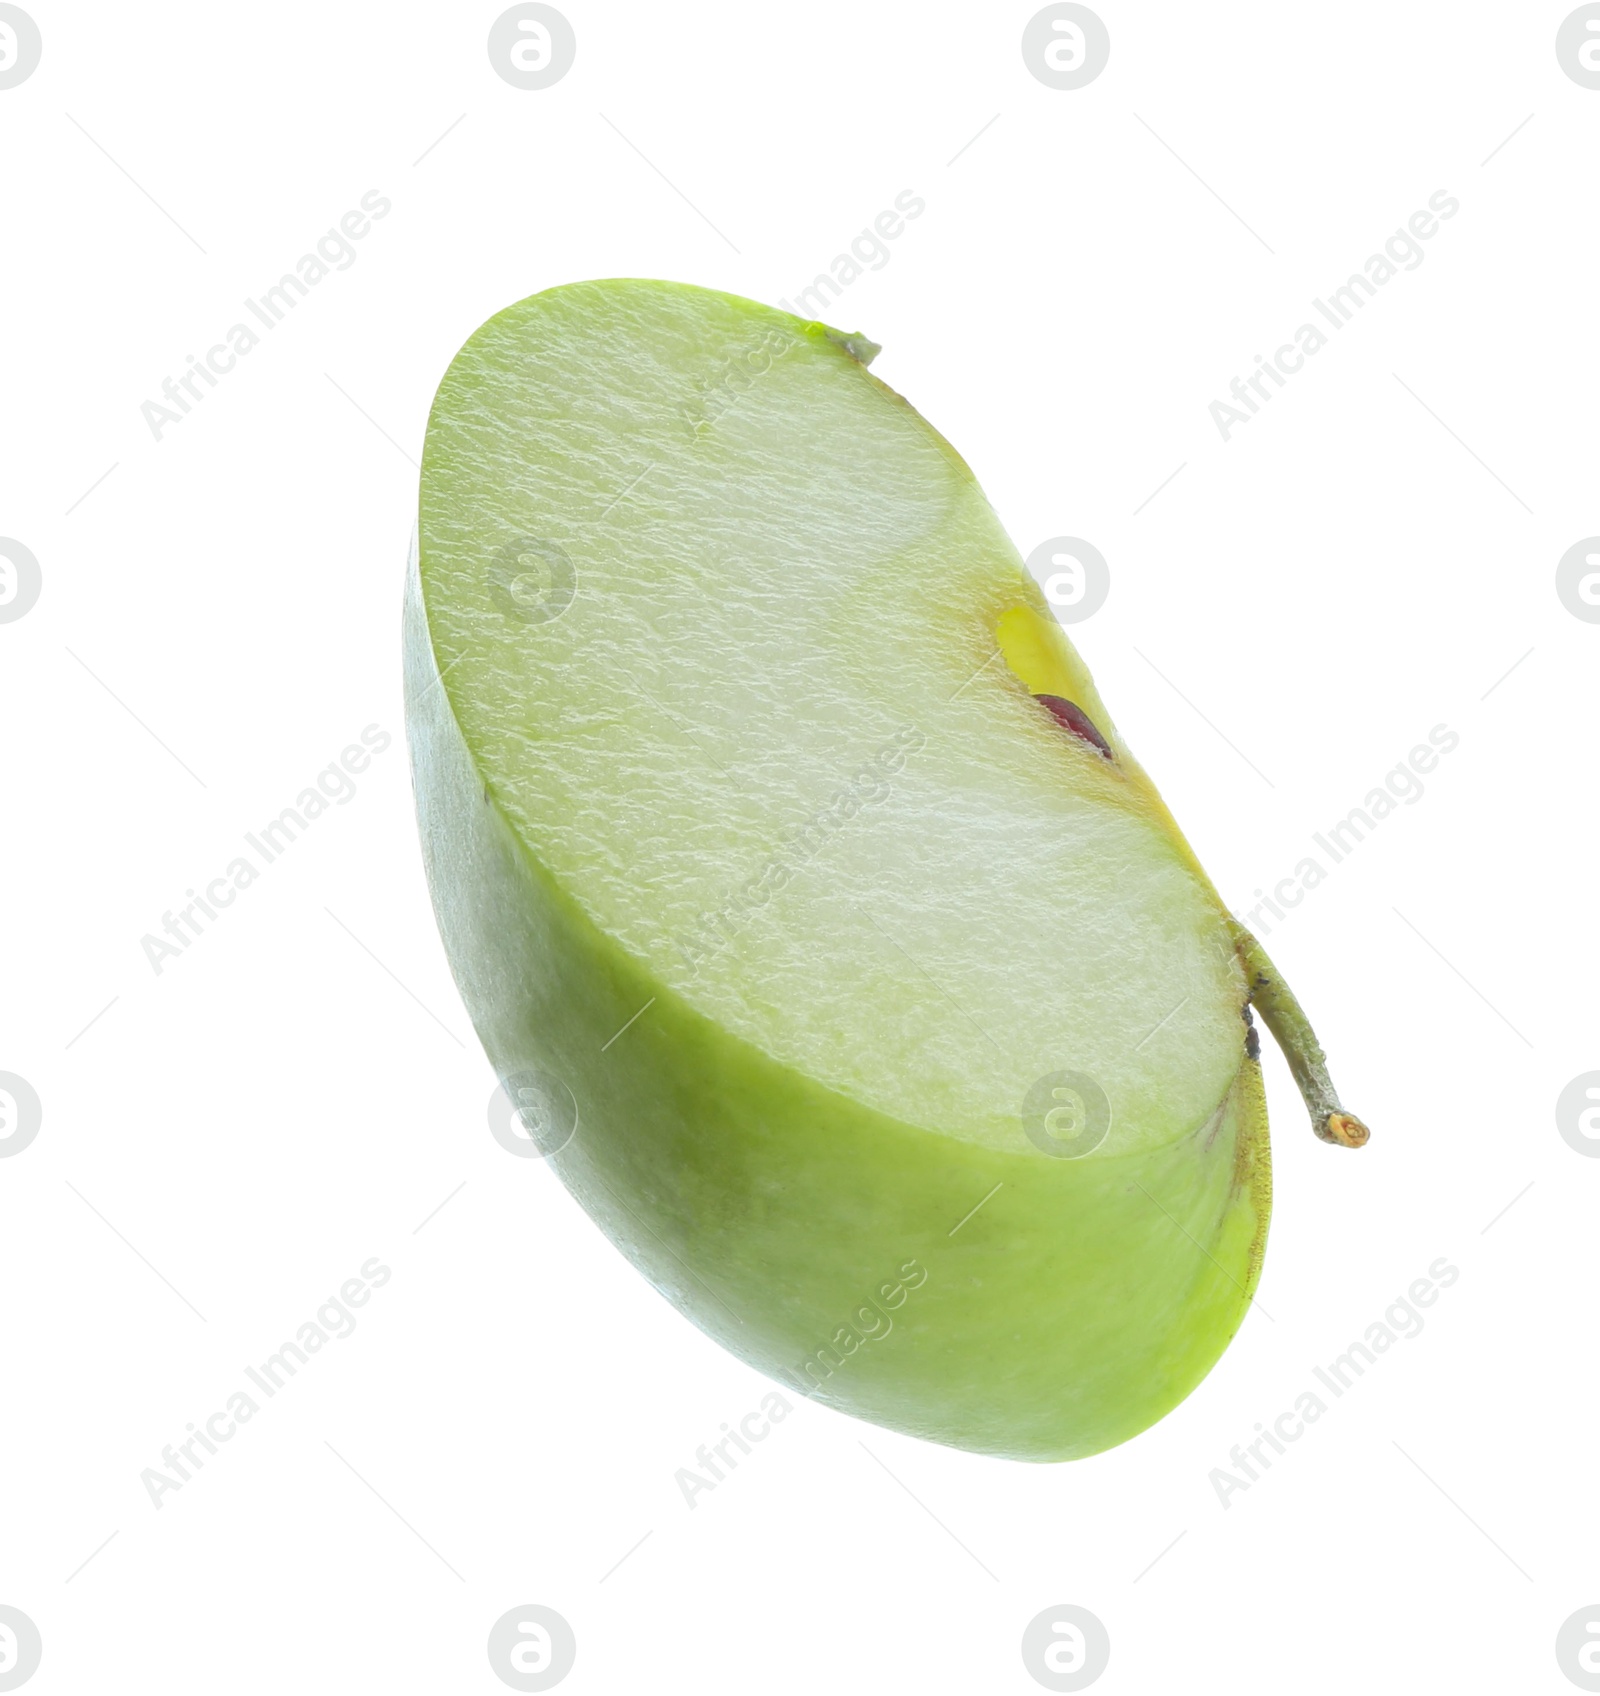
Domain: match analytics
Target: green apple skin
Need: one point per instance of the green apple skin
(1079, 1303)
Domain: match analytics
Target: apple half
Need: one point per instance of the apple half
(839, 955)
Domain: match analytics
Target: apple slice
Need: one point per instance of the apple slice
(778, 834)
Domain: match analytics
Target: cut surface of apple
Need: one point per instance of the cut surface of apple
(773, 823)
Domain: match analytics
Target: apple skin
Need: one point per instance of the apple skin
(1081, 1302)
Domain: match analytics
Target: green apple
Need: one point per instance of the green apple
(792, 869)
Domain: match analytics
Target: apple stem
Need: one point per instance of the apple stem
(1291, 1029)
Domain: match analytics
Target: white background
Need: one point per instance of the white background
(302, 1091)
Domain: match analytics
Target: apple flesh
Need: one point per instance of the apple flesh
(772, 822)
